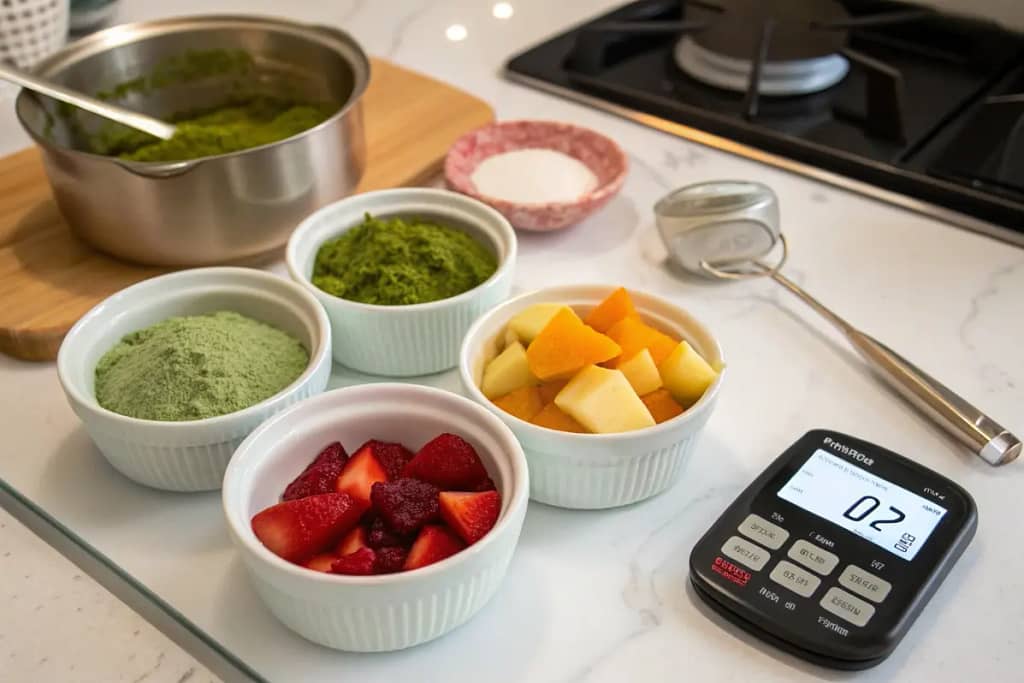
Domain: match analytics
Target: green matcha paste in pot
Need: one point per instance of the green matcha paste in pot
(195, 367)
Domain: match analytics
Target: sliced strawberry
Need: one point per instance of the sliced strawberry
(321, 563)
(359, 563)
(378, 535)
(434, 543)
(298, 529)
(390, 560)
(471, 515)
(391, 456)
(360, 474)
(352, 541)
(321, 474)
(485, 485)
(449, 463)
(406, 504)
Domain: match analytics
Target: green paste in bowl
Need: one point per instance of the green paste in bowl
(398, 262)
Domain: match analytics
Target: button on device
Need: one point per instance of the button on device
(864, 583)
(796, 579)
(763, 531)
(746, 553)
(847, 607)
(813, 557)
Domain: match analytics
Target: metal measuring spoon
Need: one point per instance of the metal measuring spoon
(722, 229)
(126, 117)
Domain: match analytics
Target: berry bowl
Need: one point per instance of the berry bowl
(592, 471)
(382, 612)
(188, 455)
(406, 340)
(600, 154)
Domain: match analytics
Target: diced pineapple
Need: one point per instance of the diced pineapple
(528, 323)
(642, 373)
(686, 374)
(510, 338)
(603, 401)
(507, 372)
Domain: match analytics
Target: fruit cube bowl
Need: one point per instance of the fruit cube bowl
(389, 611)
(593, 471)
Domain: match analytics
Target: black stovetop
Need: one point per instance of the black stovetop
(927, 110)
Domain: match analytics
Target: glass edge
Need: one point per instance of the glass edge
(189, 636)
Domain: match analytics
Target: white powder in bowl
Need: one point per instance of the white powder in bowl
(533, 176)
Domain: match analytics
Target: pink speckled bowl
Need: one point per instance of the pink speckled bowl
(600, 154)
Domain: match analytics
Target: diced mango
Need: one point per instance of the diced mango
(632, 335)
(603, 401)
(528, 323)
(524, 403)
(614, 308)
(641, 372)
(686, 374)
(548, 390)
(565, 346)
(554, 417)
(661, 405)
(507, 372)
(510, 337)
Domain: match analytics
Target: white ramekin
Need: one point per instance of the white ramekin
(401, 341)
(190, 455)
(589, 471)
(374, 613)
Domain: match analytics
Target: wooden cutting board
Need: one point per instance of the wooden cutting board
(49, 279)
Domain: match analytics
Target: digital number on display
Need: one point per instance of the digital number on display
(885, 514)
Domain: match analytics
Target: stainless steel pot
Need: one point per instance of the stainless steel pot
(217, 209)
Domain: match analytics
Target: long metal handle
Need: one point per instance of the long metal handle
(146, 124)
(993, 444)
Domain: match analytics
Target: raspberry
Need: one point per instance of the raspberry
(405, 504)
(390, 560)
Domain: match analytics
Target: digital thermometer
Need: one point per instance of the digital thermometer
(834, 550)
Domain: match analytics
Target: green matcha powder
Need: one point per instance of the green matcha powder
(194, 367)
(396, 262)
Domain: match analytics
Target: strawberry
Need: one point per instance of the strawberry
(352, 541)
(321, 563)
(405, 504)
(298, 529)
(361, 472)
(378, 535)
(391, 456)
(359, 563)
(320, 475)
(390, 560)
(449, 463)
(432, 545)
(471, 515)
(486, 485)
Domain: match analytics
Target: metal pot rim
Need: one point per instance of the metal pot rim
(123, 34)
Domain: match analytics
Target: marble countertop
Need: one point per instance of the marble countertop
(590, 596)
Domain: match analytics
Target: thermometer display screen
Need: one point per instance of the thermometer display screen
(887, 515)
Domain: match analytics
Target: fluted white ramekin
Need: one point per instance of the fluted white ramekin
(590, 471)
(418, 339)
(190, 455)
(393, 611)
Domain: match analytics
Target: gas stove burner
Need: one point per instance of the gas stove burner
(788, 47)
(794, 77)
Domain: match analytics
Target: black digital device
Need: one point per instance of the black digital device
(833, 551)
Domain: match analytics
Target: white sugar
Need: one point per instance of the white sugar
(533, 176)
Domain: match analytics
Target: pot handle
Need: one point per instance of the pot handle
(169, 169)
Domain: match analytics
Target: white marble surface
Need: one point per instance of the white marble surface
(603, 596)
(60, 625)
